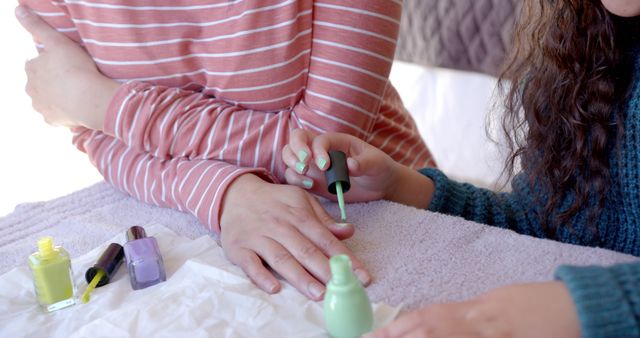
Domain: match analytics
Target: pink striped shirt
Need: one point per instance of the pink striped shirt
(212, 88)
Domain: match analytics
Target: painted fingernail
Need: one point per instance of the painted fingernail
(321, 162)
(307, 184)
(301, 167)
(302, 155)
(363, 276)
(343, 224)
(316, 290)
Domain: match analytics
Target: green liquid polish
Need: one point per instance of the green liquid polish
(339, 193)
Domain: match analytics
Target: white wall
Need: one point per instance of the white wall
(37, 161)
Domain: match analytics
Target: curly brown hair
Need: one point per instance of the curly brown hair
(561, 85)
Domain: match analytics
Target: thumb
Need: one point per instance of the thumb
(38, 28)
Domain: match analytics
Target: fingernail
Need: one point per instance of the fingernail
(271, 286)
(307, 184)
(316, 290)
(343, 224)
(301, 167)
(363, 276)
(321, 162)
(21, 12)
(302, 155)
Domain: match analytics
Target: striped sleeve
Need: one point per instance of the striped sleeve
(194, 186)
(353, 45)
(352, 50)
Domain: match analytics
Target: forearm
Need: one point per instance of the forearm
(94, 100)
(410, 188)
(194, 186)
(514, 210)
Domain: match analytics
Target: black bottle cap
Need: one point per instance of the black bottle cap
(337, 172)
(136, 232)
(109, 262)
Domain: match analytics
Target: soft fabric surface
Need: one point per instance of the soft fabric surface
(202, 287)
(416, 257)
(470, 35)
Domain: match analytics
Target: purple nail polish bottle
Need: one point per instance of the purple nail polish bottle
(143, 259)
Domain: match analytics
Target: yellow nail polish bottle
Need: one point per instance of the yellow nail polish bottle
(52, 276)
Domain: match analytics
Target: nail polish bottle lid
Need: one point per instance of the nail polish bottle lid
(337, 172)
(109, 262)
(136, 232)
(45, 247)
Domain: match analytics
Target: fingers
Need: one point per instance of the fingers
(440, 320)
(341, 230)
(299, 142)
(401, 326)
(38, 28)
(283, 262)
(291, 160)
(251, 264)
(303, 250)
(321, 145)
(299, 180)
(328, 243)
(296, 154)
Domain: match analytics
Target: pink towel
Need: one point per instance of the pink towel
(416, 257)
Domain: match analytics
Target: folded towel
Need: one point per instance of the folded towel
(416, 257)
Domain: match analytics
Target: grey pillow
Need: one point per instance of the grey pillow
(472, 35)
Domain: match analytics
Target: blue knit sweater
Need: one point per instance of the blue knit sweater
(607, 299)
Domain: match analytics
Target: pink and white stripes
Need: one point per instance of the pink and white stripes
(211, 88)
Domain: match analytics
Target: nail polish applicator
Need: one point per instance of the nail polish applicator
(100, 273)
(337, 177)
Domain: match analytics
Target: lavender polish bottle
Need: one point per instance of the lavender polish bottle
(143, 259)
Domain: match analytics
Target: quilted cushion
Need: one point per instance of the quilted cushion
(471, 35)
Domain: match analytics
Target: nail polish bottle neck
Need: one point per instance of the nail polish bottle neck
(341, 271)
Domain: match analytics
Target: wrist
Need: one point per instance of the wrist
(411, 188)
(102, 90)
(239, 189)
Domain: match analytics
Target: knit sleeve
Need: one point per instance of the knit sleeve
(607, 299)
(505, 210)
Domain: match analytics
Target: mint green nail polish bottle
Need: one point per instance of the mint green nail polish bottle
(347, 309)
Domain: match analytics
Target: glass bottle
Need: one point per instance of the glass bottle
(143, 259)
(52, 276)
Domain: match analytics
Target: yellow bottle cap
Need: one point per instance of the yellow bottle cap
(45, 246)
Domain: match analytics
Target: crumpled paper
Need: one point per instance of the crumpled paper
(204, 296)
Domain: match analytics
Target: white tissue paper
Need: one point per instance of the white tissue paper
(204, 296)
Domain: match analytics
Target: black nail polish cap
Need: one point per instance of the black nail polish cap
(136, 232)
(337, 172)
(109, 262)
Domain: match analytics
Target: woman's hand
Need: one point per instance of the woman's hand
(373, 174)
(286, 228)
(63, 82)
(371, 170)
(518, 311)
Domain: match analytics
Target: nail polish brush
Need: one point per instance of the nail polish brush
(100, 273)
(337, 177)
